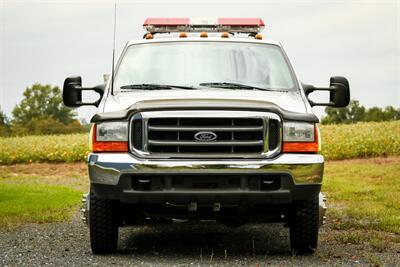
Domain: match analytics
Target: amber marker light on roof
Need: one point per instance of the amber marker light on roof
(258, 36)
(203, 35)
(182, 35)
(149, 36)
(225, 35)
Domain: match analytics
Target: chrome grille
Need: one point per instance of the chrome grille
(190, 134)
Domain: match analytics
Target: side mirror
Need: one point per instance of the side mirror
(339, 92)
(72, 92)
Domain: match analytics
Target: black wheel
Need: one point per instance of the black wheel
(304, 224)
(103, 225)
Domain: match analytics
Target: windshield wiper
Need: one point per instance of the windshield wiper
(154, 86)
(226, 85)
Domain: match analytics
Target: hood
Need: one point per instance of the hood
(288, 105)
(289, 101)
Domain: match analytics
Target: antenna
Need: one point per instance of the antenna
(113, 52)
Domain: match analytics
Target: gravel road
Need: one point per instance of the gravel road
(178, 244)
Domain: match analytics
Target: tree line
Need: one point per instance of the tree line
(355, 112)
(41, 111)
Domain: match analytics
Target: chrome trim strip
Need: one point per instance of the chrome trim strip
(266, 134)
(206, 114)
(278, 148)
(213, 143)
(145, 135)
(220, 129)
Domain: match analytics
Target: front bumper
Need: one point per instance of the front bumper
(301, 178)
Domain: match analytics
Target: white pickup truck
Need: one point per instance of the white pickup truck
(204, 120)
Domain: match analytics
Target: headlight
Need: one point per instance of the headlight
(298, 132)
(300, 137)
(112, 131)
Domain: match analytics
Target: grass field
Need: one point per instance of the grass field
(361, 140)
(364, 194)
(25, 203)
(40, 193)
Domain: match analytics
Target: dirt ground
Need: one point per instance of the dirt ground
(184, 244)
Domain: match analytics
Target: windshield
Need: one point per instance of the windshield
(199, 64)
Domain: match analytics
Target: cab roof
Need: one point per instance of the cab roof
(168, 38)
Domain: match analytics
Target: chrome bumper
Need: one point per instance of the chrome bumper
(106, 168)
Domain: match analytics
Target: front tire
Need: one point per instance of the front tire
(103, 225)
(304, 225)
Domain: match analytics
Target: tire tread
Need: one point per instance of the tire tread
(304, 226)
(103, 225)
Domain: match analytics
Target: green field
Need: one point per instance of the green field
(364, 194)
(26, 203)
(44, 148)
(361, 140)
(40, 193)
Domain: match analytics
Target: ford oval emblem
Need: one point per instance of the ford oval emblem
(205, 136)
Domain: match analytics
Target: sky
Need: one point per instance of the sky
(46, 41)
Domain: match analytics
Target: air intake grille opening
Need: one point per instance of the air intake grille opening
(137, 132)
(273, 134)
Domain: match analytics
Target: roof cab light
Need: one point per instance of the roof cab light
(225, 35)
(148, 36)
(300, 137)
(182, 35)
(110, 137)
(234, 25)
(203, 35)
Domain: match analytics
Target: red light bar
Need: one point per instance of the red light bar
(235, 25)
(166, 21)
(241, 22)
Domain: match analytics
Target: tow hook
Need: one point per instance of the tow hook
(322, 209)
(85, 208)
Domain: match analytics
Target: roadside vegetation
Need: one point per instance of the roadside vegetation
(44, 148)
(355, 112)
(41, 111)
(342, 141)
(360, 140)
